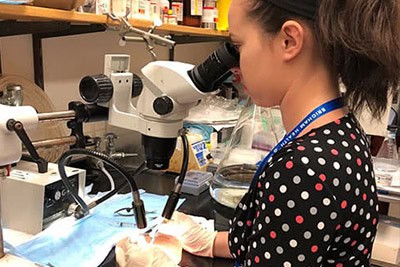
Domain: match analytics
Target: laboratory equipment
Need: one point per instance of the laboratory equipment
(386, 162)
(30, 201)
(257, 131)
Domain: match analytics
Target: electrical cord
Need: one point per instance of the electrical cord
(83, 208)
(176, 192)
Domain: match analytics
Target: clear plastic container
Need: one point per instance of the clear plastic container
(386, 162)
(257, 131)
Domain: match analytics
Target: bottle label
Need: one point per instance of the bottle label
(196, 7)
(177, 8)
(208, 14)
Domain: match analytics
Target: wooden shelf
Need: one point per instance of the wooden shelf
(32, 13)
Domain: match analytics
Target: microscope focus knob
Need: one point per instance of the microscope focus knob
(96, 88)
(163, 105)
(137, 85)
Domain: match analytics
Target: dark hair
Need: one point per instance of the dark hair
(360, 41)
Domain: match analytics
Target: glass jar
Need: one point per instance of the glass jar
(192, 12)
(256, 133)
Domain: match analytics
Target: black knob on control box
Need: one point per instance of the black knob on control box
(96, 88)
(163, 105)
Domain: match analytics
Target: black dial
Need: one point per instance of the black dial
(137, 85)
(163, 105)
(96, 88)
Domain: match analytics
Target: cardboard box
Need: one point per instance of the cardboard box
(60, 4)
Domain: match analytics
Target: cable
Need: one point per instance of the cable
(107, 174)
(83, 210)
(176, 192)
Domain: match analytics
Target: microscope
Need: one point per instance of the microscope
(154, 104)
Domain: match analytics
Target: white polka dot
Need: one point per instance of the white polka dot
(330, 142)
(340, 132)
(368, 235)
(357, 148)
(279, 250)
(336, 165)
(291, 204)
(277, 212)
(326, 201)
(267, 185)
(287, 264)
(277, 175)
(333, 215)
(310, 172)
(365, 182)
(296, 179)
(336, 182)
(267, 255)
(285, 227)
(353, 208)
(326, 238)
(345, 144)
(368, 216)
(346, 240)
(254, 244)
(263, 240)
(347, 187)
(259, 227)
(267, 220)
(348, 125)
(321, 161)
(360, 247)
(301, 258)
(263, 206)
(372, 188)
(283, 189)
(314, 141)
(320, 226)
(361, 212)
(357, 191)
(327, 132)
(248, 262)
(342, 254)
(318, 149)
(347, 224)
(366, 168)
(349, 170)
(347, 156)
(305, 160)
(313, 210)
(240, 223)
(293, 243)
(358, 176)
(307, 234)
(305, 195)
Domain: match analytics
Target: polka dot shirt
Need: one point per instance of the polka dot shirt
(315, 203)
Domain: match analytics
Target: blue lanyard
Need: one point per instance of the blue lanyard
(315, 114)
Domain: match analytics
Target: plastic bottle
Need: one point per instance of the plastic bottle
(177, 8)
(386, 162)
(192, 12)
(209, 17)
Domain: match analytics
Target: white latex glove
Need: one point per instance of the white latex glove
(140, 254)
(194, 238)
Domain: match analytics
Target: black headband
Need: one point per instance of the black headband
(305, 8)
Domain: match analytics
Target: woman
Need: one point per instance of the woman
(313, 203)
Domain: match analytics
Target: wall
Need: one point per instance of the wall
(67, 59)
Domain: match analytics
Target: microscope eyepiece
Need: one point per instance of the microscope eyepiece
(208, 75)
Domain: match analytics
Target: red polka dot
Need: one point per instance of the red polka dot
(374, 221)
(365, 251)
(299, 219)
(355, 227)
(319, 187)
(338, 227)
(353, 243)
(259, 185)
(238, 252)
(301, 148)
(344, 204)
(272, 234)
(337, 122)
(353, 136)
(359, 162)
(339, 264)
(334, 152)
(249, 223)
(322, 177)
(257, 259)
(364, 196)
(289, 164)
(312, 134)
(271, 198)
(258, 214)
(314, 248)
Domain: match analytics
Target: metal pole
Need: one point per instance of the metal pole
(3, 174)
(67, 140)
(57, 116)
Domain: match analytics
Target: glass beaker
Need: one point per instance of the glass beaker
(256, 133)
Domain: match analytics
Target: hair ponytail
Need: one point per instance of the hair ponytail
(361, 41)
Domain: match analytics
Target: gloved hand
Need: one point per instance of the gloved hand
(194, 238)
(139, 253)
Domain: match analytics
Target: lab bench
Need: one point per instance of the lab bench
(203, 205)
